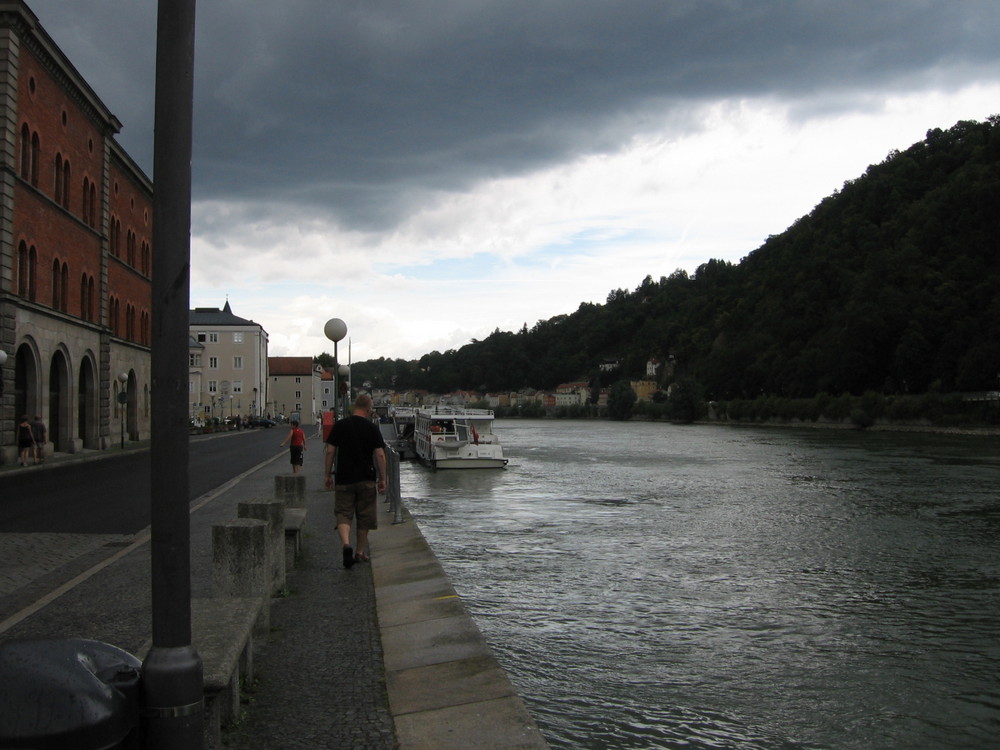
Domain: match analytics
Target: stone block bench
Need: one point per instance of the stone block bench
(222, 632)
(294, 520)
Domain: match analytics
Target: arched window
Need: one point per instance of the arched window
(58, 191)
(84, 298)
(56, 279)
(113, 315)
(32, 273)
(25, 152)
(66, 175)
(25, 270)
(36, 150)
(130, 248)
(90, 298)
(146, 259)
(93, 204)
(130, 322)
(85, 209)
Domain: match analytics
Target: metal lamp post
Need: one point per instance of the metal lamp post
(123, 402)
(335, 330)
(345, 372)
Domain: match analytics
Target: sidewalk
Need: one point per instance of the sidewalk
(381, 655)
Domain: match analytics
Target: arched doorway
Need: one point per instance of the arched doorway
(26, 394)
(132, 425)
(59, 403)
(86, 417)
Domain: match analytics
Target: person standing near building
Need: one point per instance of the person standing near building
(357, 447)
(297, 444)
(41, 434)
(25, 439)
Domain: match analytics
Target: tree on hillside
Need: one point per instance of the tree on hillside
(621, 399)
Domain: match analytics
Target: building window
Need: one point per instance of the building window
(65, 184)
(237, 363)
(25, 152)
(213, 338)
(237, 386)
(27, 258)
(202, 336)
(114, 309)
(213, 363)
(298, 394)
(87, 297)
(60, 284)
(130, 248)
(92, 219)
(58, 187)
(213, 386)
(194, 359)
(298, 380)
(237, 337)
(116, 237)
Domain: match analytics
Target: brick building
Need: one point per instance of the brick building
(75, 252)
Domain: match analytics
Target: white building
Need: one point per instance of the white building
(227, 364)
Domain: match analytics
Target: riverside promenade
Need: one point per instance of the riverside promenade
(379, 656)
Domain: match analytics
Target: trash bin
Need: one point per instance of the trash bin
(71, 693)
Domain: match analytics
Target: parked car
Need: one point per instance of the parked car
(262, 422)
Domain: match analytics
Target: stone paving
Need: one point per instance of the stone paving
(25, 558)
(321, 681)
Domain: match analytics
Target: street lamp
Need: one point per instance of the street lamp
(345, 372)
(335, 330)
(123, 400)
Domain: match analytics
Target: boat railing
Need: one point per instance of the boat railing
(445, 410)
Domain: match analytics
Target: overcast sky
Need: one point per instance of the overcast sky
(431, 171)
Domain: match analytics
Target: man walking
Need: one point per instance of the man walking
(356, 444)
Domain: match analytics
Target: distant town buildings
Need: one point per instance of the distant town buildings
(295, 387)
(75, 253)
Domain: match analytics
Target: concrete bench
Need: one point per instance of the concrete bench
(290, 489)
(294, 520)
(222, 632)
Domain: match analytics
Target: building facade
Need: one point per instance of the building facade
(295, 388)
(227, 358)
(75, 253)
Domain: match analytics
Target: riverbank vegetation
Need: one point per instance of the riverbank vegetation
(884, 296)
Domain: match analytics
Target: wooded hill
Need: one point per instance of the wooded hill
(891, 284)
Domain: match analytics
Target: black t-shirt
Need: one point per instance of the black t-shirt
(356, 439)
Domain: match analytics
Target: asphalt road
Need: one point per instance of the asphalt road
(110, 494)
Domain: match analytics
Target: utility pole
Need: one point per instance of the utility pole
(173, 706)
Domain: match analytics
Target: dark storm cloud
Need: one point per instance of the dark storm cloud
(360, 108)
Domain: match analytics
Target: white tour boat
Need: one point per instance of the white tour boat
(449, 437)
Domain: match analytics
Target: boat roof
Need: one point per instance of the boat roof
(451, 412)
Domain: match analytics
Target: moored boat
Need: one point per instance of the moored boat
(397, 430)
(448, 437)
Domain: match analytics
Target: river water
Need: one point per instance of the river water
(659, 586)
